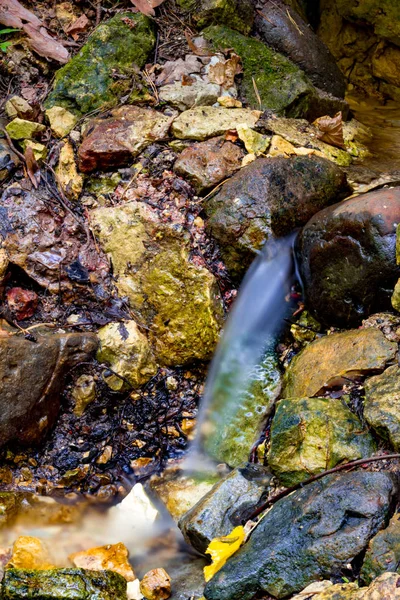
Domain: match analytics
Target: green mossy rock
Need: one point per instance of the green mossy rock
(282, 86)
(382, 405)
(62, 584)
(20, 129)
(118, 45)
(311, 435)
(383, 553)
(236, 14)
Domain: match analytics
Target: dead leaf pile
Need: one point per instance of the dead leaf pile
(176, 70)
(330, 130)
(13, 14)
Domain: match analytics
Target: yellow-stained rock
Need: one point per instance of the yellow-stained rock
(39, 150)
(113, 557)
(30, 553)
(67, 174)
(333, 359)
(84, 392)
(156, 585)
(396, 297)
(203, 122)
(280, 147)
(254, 142)
(20, 129)
(61, 120)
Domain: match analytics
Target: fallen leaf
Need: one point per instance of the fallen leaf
(231, 135)
(222, 548)
(147, 6)
(32, 168)
(113, 557)
(13, 14)
(330, 130)
(175, 70)
(187, 80)
(223, 72)
(78, 26)
(200, 49)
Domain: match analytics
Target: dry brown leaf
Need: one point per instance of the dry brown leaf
(223, 72)
(330, 130)
(231, 135)
(78, 26)
(13, 14)
(147, 6)
(187, 80)
(200, 49)
(175, 70)
(32, 168)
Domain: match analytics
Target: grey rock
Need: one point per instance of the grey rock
(307, 536)
(183, 97)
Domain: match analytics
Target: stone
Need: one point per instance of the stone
(156, 585)
(52, 249)
(29, 553)
(253, 141)
(208, 121)
(183, 97)
(287, 33)
(307, 536)
(236, 14)
(334, 359)
(20, 129)
(383, 15)
(207, 163)
(67, 174)
(39, 150)
(18, 107)
(382, 405)
(116, 46)
(62, 584)
(383, 552)
(231, 429)
(311, 435)
(84, 393)
(127, 350)
(116, 140)
(326, 590)
(385, 587)
(61, 120)
(22, 303)
(151, 259)
(8, 160)
(32, 376)
(112, 557)
(269, 197)
(395, 298)
(224, 506)
(385, 63)
(347, 257)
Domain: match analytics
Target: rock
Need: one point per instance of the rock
(307, 536)
(116, 46)
(29, 553)
(236, 14)
(253, 141)
(183, 97)
(67, 174)
(113, 557)
(385, 63)
(39, 150)
(8, 160)
(329, 591)
(334, 359)
(385, 587)
(207, 163)
(383, 552)
(18, 107)
(357, 239)
(179, 491)
(126, 349)
(84, 393)
(32, 375)
(20, 129)
(311, 435)
(4, 262)
(8, 508)
(287, 33)
(114, 141)
(269, 197)
(53, 250)
(225, 505)
(62, 584)
(156, 585)
(232, 428)
(151, 261)
(395, 299)
(208, 121)
(382, 405)
(383, 15)
(22, 303)
(61, 120)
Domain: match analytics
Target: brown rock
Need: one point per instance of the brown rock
(333, 359)
(113, 557)
(114, 141)
(22, 303)
(31, 375)
(207, 163)
(156, 585)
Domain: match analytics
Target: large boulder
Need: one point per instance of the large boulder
(88, 80)
(334, 359)
(270, 197)
(31, 375)
(383, 552)
(307, 536)
(286, 32)
(383, 15)
(382, 405)
(347, 257)
(311, 435)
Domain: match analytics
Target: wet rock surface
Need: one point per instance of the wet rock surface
(208, 121)
(269, 197)
(32, 377)
(306, 536)
(332, 359)
(356, 238)
(381, 406)
(383, 552)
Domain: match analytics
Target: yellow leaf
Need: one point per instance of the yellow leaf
(222, 548)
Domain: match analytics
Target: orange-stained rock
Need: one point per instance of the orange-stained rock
(156, 585)
(113, 557)
(29, 553)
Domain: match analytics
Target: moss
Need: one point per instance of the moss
(282, 86)
(236, 14)
(86, 81)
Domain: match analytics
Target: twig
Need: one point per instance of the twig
(257, 93)
(98, 12)
(13, 148)
(349, 465)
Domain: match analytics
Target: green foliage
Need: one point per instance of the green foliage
(4, 45)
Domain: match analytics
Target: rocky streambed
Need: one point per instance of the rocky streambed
(147, 156)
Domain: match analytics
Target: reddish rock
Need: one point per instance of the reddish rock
(207, 163)
(347, 255)
(115, 140)
(22, 303)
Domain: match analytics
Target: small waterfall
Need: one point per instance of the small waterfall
(256, 318)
